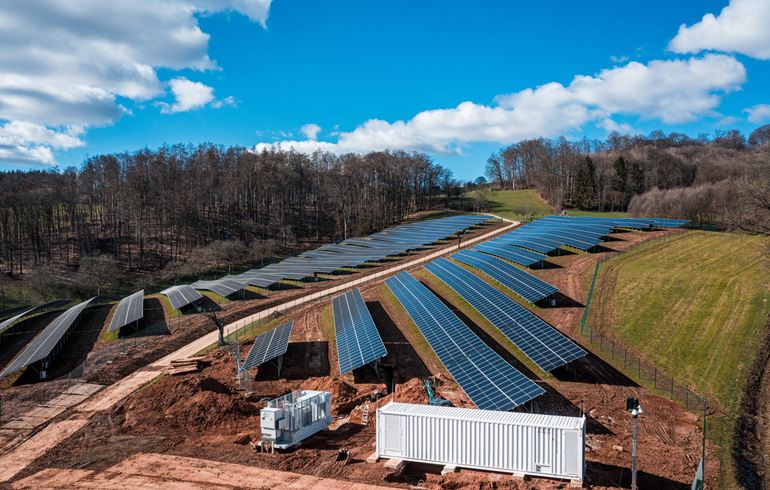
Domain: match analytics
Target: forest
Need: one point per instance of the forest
(149, 209)
(720, 180)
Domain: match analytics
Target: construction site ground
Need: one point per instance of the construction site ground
(193, 430)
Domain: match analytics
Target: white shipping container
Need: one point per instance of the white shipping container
(533, 444)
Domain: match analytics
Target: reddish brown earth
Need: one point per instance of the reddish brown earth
(200, 415)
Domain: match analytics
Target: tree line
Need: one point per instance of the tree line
(703, 179)
(149, 208)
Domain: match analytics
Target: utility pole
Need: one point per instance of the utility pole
(632, 405)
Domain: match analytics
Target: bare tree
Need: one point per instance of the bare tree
(97, 272)
(261, 249)
(218, 322)
(43, 281)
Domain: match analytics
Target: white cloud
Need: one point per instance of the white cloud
(188, 95)
(311, 131)
(677, 91)
(70, 63)
(28, 143)
(741, 27)
(618, 59)
(758, 114)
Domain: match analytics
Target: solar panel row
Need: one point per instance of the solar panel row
(546, 346)
(181, 295)
(489, 381)
(269, 346)
(520, 282)
(223, 287)
(130, 309)
(42, 346)
(358, 341)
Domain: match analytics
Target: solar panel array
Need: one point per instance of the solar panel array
(358, 341)
(47, 340)
(269, 346)
(547, 235)
(355, 251)
(516, 255)
(223, 287)
(520, 282)
(489, 381)
(130, 309)
(7, 323)
(181, 295)
(546, 346)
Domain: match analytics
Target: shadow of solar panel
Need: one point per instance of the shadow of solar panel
(546, 346)
(269, 346)
(522, 283)
(489, 381)
(358, 341)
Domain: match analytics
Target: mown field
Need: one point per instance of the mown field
(521, 204)
(695, 306)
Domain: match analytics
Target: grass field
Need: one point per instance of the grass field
(503, 203)
(511, 204)
(695, 306)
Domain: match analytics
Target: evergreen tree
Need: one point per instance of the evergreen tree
(586, 184)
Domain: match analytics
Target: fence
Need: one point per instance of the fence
(629, 362)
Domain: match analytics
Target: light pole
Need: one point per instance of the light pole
(632, 405)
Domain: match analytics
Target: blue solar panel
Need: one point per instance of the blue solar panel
(522, 283)
(358, 341)
(545, 345)
(489, 381)
(544, 247)
(269, 346)
(518, 255)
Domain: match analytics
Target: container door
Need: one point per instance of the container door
(545, 445)
(393, 435)
(573, 454)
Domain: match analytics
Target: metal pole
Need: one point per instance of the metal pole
(633, 461)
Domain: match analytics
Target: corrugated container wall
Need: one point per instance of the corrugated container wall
(542, 445)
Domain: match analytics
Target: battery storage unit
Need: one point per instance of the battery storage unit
(532, 444)
(288, 420)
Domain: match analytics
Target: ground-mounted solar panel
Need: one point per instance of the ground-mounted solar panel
(546, 346)
(518, 255)
(223, 287)
(7, 323)
(268, 346)
(181, 295)
(42, 345)
(541, 246)
(130, 309)
(520, 282)
(488, 380)
(358, 341)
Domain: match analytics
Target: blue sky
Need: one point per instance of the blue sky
(456, 80)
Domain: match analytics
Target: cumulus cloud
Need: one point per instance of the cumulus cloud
(188, 95)
(28, 143)
(741, 27)
(68, 64)
(758, 114)
(676, 91)
(311, 131)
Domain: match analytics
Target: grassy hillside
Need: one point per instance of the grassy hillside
(510, 204)
(522, 204)
(695, 306)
